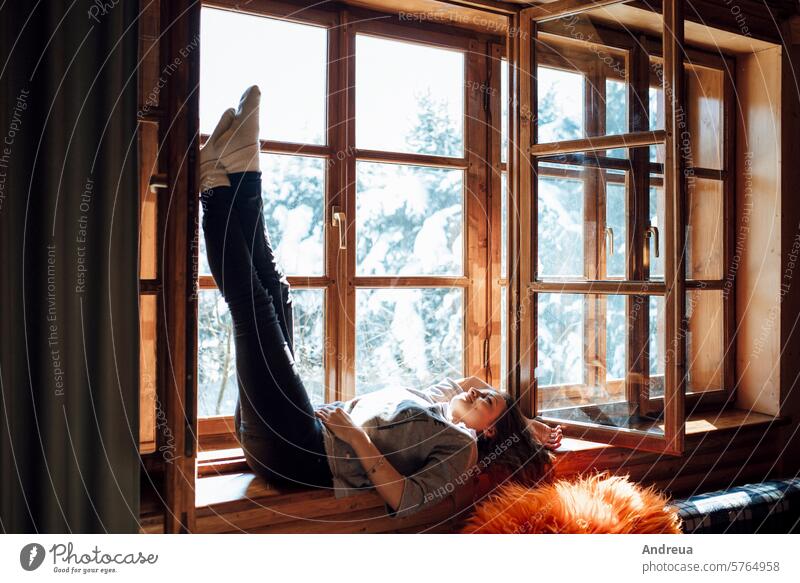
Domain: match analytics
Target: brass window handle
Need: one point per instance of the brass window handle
(652, 231)
(339, 220)
(610, 240)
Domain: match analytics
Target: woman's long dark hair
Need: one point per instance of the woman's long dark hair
(514, 453)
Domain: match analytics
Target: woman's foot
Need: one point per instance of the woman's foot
(212, 173)
(550, 437)
(239, 145)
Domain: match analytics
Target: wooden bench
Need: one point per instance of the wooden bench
(243, 502)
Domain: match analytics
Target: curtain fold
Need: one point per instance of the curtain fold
(69, 204)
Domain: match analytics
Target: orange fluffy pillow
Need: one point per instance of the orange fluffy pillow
(596, 504)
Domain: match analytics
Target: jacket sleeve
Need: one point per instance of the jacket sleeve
(447, 468)
(443, 391)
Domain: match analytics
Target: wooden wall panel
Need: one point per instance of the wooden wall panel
(704, 92)
(705, 348)
(757, 253)
(704, 229)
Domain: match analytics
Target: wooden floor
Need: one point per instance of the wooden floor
(731, 449)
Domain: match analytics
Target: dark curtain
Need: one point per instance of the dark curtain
(69, 359)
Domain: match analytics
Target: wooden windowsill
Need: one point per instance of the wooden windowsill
(230, 498)
(231, 459)
(243, 502)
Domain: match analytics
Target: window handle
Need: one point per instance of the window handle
(610, 240)
(340, 220)
(652, 231)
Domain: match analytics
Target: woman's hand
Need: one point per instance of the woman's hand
(549, 437)
(339, 422)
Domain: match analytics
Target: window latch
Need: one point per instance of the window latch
(610, 240)
(652, 231)
(339, 220)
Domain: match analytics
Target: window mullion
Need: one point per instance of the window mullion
(496, 242)
(476, 256)
(638, 219)
(594, 229)
(674, 190)
(344, 297)
(334, 177)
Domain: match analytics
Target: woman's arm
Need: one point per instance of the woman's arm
(387, 481)
(468, 382)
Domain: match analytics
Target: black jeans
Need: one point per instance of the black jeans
(281, 438)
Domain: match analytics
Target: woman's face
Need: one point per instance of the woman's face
(478, 409)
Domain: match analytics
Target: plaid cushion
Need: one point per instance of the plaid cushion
(767, 507)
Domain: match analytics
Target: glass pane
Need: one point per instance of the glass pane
(503, 338)
(617, 232)
(582, 361)
(560, 104)
(408, 337)
(504, 110)
(409, 220)
(217, 388)
(203, 267)
(656, 345)
(560, 217)
(705, 120)
(582, 90)
(616, 101)
(560, 340)
(704, 229)
(658, 220)
(705, 342)
(409, 97)
(616, 341)
(582, 216)
(656, 108)
(308, 312)
(616, 104)
(504, 224)
(288, 62)
(704, 91)
(293, 195)
(656, 113)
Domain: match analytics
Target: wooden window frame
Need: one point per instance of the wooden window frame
(565, 54)
(524, 284)
(712, 399)
(339, 280)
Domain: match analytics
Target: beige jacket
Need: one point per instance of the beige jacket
(410, 428)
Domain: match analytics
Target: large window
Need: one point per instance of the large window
(293, 81)
(374, 164)
(605, 318)
(409, 217)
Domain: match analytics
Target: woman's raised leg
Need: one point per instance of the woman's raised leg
(247, 198)
(239, 154)
(280, 434)
(281, 437)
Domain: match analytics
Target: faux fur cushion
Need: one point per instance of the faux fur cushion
(601, 503)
